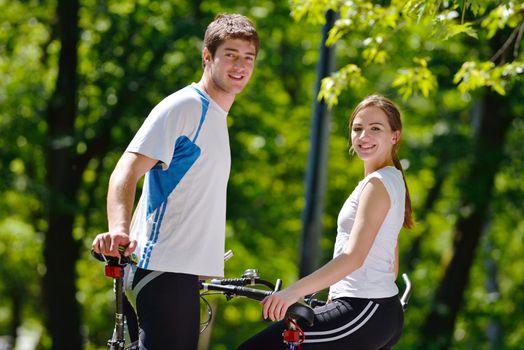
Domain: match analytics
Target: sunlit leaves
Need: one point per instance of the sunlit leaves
(332, 86)
(478, 7)
(446, 30)
(312, 10)
(361, 16)
(374, 52)
(370, 27)
(420, 8)
(473, 75)
(415, 79)
(510, 14)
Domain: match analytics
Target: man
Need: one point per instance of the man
(178, 230)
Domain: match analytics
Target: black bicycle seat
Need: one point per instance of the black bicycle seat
(113, 260)
(300, 311)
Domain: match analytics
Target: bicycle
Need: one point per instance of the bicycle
(230, 287)
(293, 336)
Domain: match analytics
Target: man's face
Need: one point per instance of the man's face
(232, 66)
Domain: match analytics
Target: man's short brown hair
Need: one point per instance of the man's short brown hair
(230, 26)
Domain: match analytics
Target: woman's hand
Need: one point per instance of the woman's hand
(276, 305)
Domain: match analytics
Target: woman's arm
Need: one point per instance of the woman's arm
(396, 260)
(373, 206)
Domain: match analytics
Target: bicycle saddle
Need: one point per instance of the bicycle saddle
(113, 260)
(302, 312)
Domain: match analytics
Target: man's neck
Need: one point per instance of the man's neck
(222, 98)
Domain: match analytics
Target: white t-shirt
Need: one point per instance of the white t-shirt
(180, 220)
(376, 277)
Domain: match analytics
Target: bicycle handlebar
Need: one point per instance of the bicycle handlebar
(243, 281)
(407, 292)
(233, 290)
(295, 311)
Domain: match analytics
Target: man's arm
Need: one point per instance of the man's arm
(120, 199)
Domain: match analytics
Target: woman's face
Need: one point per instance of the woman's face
(372, 137)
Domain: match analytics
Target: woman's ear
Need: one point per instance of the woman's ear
(396, 137)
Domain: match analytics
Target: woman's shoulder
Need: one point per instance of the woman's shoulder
(390, 176)
(387, 173)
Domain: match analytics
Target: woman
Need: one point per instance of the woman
(363, 311)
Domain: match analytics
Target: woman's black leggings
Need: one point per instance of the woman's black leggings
(345, 323)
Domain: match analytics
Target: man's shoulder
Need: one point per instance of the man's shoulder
(185, 97)
(181, 102)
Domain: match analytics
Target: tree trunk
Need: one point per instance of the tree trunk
(60, 249)
(413, 254)
(477, 190)
(494, 331)
(317, 170)
(16, 312)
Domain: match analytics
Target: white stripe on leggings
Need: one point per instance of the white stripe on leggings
(349, 324)
(352, 330)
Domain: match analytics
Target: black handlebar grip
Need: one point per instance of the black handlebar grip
(232, 281)
(243, 281)
(251, 293)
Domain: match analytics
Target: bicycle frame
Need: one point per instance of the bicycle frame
(293, 335)
(117, 341)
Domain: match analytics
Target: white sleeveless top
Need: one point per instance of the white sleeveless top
(376, 277)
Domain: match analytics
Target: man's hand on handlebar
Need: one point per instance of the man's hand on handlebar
(107, 244)
(276, 304)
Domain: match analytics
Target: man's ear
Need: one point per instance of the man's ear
(206, 56)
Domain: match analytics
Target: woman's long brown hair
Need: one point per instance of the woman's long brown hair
(395, 122)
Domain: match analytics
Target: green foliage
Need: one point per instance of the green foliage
(20, 268)
(508, 14)
(415, 79)
(444, 30)
(473, 75)
(429, 22)
(333, 85)
(312, 9)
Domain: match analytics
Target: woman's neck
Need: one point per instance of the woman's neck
(370, 167)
